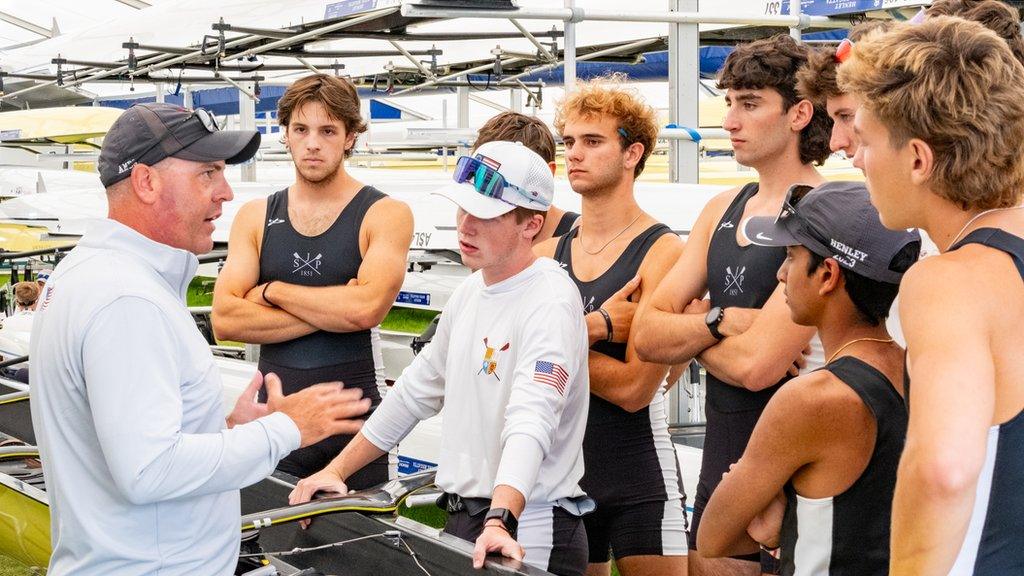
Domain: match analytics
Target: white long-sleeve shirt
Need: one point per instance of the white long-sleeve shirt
(508, 363)
(142, 476)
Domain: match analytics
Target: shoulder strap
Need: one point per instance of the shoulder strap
(563, 252)
(873, 387)
(569, 221)
(642, 243)
(738, 203)
(1000, 240)
(363, 200)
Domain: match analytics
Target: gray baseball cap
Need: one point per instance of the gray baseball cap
(835, 220)
(148, 133)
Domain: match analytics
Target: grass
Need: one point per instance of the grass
(409, 320)
(200, 291)
(10, 567)
(430, 515)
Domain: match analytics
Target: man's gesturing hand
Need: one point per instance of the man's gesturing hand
(319, 411)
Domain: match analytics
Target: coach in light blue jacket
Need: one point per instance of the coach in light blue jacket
(142, 472)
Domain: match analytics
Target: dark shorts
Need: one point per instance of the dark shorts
(554, 539)
(725, 440)
(645, 529)
(311, 459)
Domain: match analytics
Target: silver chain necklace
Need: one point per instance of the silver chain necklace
(606, 244)
(976, 216)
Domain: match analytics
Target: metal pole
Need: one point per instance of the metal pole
(415, 62)
(441, 79)
(186, 99)
(533, 39)
(462, 112)
(515, 100)
(150, 67)
(244, 91)
(683, 90)
(578, 14)
(794, 10)
(307, 64)
(247, 121)
(569, 55)
(160, 92)
(296, 39)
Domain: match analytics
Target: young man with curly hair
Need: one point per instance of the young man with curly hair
(616, 257)
(744, 337)
(940, 124)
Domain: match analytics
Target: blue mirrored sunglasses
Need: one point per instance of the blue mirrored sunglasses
(485, 179)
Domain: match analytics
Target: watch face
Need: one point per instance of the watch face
(713, 315)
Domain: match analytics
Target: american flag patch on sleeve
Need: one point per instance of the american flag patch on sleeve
(551, 374)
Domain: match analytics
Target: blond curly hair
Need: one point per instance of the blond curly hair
(609, 96)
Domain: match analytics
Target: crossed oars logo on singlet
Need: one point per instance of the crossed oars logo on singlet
(734, 280)
(306, 266)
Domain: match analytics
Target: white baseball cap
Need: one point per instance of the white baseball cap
(528, 181)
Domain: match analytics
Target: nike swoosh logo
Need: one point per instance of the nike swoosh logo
(275, 221)
(761, 236)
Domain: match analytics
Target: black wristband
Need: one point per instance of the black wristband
(265, 286)
(607, 323)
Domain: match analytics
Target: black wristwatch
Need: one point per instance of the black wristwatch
(713, 320)
(508, 520)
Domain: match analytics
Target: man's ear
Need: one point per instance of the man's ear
(145, 183)
(923, 158)
(533, 226)
(802, 112)
(634, 152)
(831, 276)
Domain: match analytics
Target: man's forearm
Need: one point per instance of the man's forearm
(330, 308)
(627, 385)
(597, 328)
(356, 455)
(244, 321)
(509, 498)
(669, 338)
(737, 362)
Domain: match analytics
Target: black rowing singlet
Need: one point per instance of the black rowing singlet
(628, 456)
(567, 223)
(742, 276)
(848, 534)
(331, 258)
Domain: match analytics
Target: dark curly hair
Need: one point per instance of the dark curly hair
(773, 63)
(816, 80)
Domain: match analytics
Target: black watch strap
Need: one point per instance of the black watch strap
(508, 520)
(713, 320)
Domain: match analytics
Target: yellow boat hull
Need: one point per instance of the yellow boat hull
(24, 528)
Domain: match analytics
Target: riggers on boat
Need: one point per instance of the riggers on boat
(358, 534)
